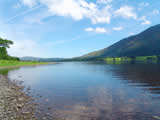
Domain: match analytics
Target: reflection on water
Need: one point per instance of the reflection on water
(94, 91)
(140, 75)
(102, 105)
(5, 71)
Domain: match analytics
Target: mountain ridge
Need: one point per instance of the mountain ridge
(29, 58)
(145, 43)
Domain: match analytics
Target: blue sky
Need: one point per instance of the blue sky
(69, 28)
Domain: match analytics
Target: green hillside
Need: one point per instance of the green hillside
(146, 43)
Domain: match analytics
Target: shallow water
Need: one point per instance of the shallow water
(93, 91)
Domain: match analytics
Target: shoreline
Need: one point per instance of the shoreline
(14, 103)
(29, 65)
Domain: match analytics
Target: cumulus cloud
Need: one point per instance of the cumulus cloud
(89, 29)
(97, 30)
(145, 21)
(118, 28)
(81, 9)
(126, 12)
(104, 1)
(76, 9)
(131, 34)
(29, 3)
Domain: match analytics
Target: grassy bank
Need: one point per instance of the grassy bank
(129, 59)
(8, 63)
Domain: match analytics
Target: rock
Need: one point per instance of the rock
(14, 103)
(20, 99)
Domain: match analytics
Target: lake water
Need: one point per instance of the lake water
(93, 91)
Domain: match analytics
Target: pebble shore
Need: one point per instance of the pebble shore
(14, 103)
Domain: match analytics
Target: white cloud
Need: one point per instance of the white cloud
(29, 3)
(76, 9)
(97, 30)
(89, 29)
(155, 12)
(100, 16)
(126, 12)
(104, 1)
(68, 8)
(118, 28)
(145, 21)
(131, 34)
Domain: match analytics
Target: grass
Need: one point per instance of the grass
(8, 63)
(118, 59)
(128, 59)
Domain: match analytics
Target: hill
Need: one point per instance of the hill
(146, 43)
(41, 59)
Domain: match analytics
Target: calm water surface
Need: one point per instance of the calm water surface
(94, 91)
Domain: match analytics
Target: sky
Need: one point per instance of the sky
(70, 28)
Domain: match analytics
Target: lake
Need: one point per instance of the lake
(93, 90)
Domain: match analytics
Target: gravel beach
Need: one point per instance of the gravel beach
(14, 103)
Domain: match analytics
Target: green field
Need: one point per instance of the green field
(128, 59)
(8, 63)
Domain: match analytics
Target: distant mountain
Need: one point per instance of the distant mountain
(41, 59)
(146, 43)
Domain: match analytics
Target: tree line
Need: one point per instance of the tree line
(4, 44)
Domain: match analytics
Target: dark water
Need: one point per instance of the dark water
(94, 91)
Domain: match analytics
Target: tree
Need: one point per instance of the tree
(3, 53)
(158, 57)
(5, 43)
